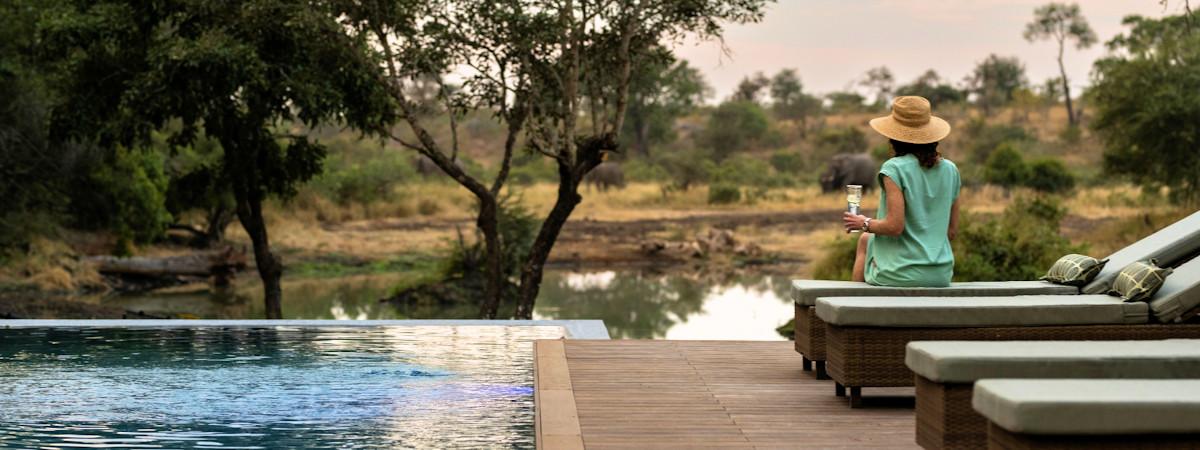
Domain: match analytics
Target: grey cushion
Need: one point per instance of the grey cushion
(1090, 407)
(968, 361)
(1025, 310)
(1139, 281)
(1179, 294)
(1170, 246)
(1074, 270)
(806, 292)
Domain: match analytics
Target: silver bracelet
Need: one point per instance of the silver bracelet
(867, 225)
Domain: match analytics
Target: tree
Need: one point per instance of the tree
(788, 100)
(229, 70)
(880, 81)
(931, 86)
(557, 75)
(750, 88)
(994, 80)
(1006, 167)
(845, 102)
(1061, 22)
(661, 90)
(1146, 95)
(735, 126)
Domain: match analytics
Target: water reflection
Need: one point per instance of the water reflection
(651, 305)
(636, 304)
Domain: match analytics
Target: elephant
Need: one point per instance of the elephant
(849, 168)
(606, 175)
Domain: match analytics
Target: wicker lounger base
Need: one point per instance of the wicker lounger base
(999, 438)
(809, 332)
(945, 418)
(860, 357)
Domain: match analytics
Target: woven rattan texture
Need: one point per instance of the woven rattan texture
(999, 438)
(945, 418)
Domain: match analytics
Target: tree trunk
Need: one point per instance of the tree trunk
(539, 252)
(270, 268)
(488, 223)
(219, 218)
(1066, 88)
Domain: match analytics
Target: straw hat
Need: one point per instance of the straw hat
(912, 122)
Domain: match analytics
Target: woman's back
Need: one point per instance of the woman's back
(921, 254)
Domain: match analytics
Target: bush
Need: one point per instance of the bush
(984, 138)
(530, 169)
(428, 207)
(735, 126)
(640, 170)
(1019, 244)
(881, 152)
(741, 170)
(125, 193)
(788, 162)
(837, 263)
(373, 179)
(1050, 175)
(685, 169)
(723, 193)
(847, 139)
(1006, 167)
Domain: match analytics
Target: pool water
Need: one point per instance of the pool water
(404, 386)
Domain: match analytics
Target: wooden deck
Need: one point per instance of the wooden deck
(701, 394)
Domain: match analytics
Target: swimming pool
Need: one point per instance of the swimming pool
(274, 387)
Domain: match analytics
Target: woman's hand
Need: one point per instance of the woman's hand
(853, 221)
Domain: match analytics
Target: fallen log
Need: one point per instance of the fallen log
(198, 264)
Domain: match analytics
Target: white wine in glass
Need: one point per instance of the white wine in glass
(853, 199)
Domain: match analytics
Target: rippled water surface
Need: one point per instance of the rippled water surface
(268, 388)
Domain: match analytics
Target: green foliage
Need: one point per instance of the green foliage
(365, 181)
(724, 193)
(518, 228)
(986, 137)
(1146, 99)
(741, 170)
(846, 139)
(845, 102)
(126, 194)
(788, 162)
(1019, 244)
(1006, 167)
(735, 126)
(932, 87)
(686, 168)
(1050, 175)
(881, 152)
(661, 90)
(645, 171)
(837, 263)
(788, 99)
(994, 81)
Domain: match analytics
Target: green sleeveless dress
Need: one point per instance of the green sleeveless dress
(921, 255)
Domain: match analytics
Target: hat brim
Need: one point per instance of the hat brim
(935, 130)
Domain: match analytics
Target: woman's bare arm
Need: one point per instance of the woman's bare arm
(953, 231)
(893, 222)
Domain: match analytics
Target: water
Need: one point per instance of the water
(423, 387)
(640, 304)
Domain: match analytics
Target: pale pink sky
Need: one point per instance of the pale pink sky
(833, 42)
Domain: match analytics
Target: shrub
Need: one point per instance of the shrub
(881, 152)
(983, 138)
(641, 170)
(723, 193)
(742, 170)
(685, 169)
(125, 193)
(428, 207)
(367, 181)
(847, 139)
(735, 126)
(788, 162)
(1019, 244)
(527, 170)
(1006, 167)
(837, 263)
(1050, 175)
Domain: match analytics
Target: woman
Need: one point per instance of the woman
(908, 243)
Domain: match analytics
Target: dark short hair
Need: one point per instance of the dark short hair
(926, 154)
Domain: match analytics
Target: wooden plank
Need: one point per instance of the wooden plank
(702, 394)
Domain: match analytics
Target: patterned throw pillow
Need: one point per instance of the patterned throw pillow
(1074, 270)
(1139, 281)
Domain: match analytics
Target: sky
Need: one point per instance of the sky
(832, 43)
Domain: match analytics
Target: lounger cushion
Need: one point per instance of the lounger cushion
(1074, 270)
(1179, 294)
(1090, 407)
(806, 292)
(1170, 246)
(968, 361)
(1026, 310)
(1139, 281)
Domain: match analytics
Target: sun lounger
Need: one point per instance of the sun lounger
(946, 372)
(866, 336)
(1169, 246)
(1090, 414)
